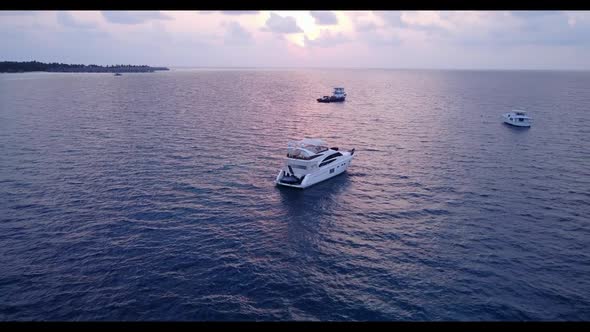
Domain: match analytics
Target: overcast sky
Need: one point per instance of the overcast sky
(374, 39)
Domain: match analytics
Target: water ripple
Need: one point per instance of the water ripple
(151, 197)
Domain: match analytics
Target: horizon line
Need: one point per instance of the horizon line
(376, 68)
(329, 68)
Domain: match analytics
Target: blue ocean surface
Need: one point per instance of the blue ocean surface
(152, 196)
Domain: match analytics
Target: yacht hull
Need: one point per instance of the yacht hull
(331, 100)
(517, 124)
(514, 122)
(327, 172)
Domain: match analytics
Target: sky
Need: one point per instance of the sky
(334, 39)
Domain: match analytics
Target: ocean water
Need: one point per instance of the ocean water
(151, 197)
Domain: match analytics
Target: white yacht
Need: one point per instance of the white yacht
(310, 161)
(517, 118)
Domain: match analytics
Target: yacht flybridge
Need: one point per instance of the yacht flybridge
(310, 161)
(517, 118)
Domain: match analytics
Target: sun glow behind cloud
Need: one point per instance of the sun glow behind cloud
(306, 22)
(311, 30)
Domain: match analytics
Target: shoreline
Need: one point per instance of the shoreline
(35, 66)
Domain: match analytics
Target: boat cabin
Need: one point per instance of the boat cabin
(519, 115)
(305, 149)
(338, 92)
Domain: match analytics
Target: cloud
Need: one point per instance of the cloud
(236, 35)
(366, 26)
(326, 39)
(67, 20)
(574, 18)
(487, 29)
(514, 29)
(134, 17)
(392, 18)
(533, 13)
(279, 24)
(425, 19)
(464, 39)
(377, 28)
(324, 18)
(240, 12)
(380, 40)
(555, 30)
(364, 21)
(17, 12)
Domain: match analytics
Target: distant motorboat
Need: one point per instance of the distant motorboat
(310, 161)
(338, 96)
(517, 118)
(118, 74)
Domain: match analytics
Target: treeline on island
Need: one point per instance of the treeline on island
(29, 66)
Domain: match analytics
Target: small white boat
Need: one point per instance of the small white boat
(517, 118)
(310, 161)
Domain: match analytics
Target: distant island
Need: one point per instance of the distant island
(31, 66)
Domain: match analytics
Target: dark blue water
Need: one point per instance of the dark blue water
(151, 197)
